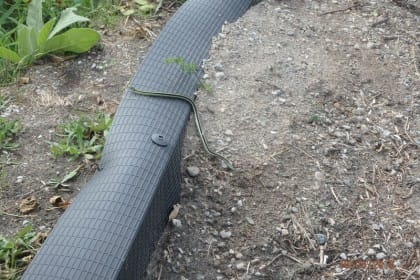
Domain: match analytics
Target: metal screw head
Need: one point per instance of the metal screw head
(321, 238)
(159, 140)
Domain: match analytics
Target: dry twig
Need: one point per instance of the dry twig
(335, 196)
(278, 256)
(355, 5)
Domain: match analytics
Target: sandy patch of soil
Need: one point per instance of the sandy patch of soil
(317, 103)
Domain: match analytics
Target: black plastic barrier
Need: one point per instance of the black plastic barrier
(114, 224)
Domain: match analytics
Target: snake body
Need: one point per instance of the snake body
(196, 119)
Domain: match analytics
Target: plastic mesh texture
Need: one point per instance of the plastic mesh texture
(114, 224)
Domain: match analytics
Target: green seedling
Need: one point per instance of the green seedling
(83, 137)
(16, 252)
(144, 7)
(4, 101)
(315, 119)
(63, 182)
(3, 177)
(8, 131)
(37, 39)
(190, 68)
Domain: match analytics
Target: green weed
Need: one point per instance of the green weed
(23, 40)
(59, 183)
(315, 119)
(16, 252)
(190, 68)
(37, 39)
(3, 177)
(83, 137)
(8, 131)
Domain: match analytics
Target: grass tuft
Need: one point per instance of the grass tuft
(18, 251)
(84, 137)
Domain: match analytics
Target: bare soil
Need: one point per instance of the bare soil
(317, 104)
(56, 93)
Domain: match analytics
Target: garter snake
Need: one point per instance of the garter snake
(196, 119)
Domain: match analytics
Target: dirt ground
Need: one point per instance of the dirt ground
(56, 93)
(317, 104)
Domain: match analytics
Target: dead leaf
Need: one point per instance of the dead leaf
(24, 80)
(27, 259)
(174, 211)
(59, 202)
(28, 205)
(40, 238)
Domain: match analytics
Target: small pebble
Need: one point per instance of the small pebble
(409, 245)
(370, 45)
(359, 111)
(220, 76)
(338, 269)
(19, 179)
(176, 223)
(193, 171)
(225, 234)
(25, 222)
(294, 210)
(250, 220)
(277, 92)
(219, 67)
(377, 246)
(377, 227)
(371, 252)
(241, 266)
(228, 132)
(321, 238)
(380, 256)
(343, 256)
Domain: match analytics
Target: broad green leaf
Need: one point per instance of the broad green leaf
(128, 12)
(67, 18)
(145, 6)
(45, 31)
(7, 13)
(27, 43)
(76, 40)
(142, 2)
(9, 55)
(24, 231)
(34, 17)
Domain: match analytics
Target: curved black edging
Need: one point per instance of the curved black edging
(113, 226)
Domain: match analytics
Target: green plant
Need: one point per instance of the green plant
(315, 119)
(190, 68)
(8, 131)
(3, 177)
(144, 8)
(63, 182)
(36, 39)
(83, 137)
(16, 252)
(4, 101)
